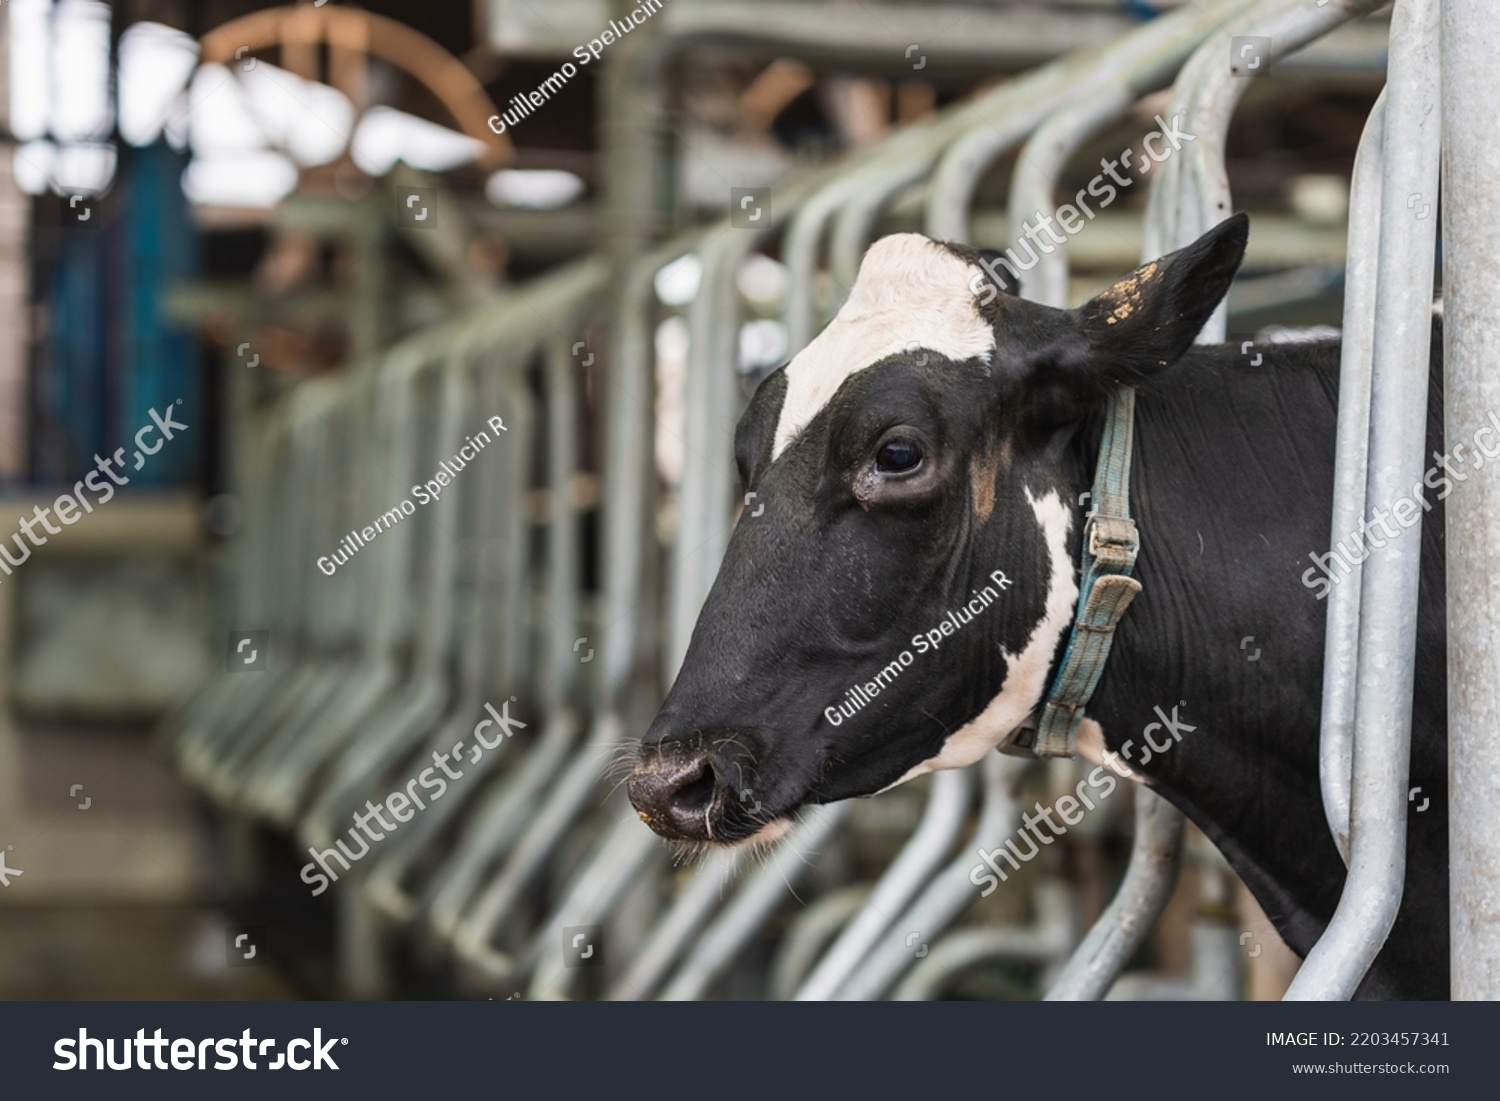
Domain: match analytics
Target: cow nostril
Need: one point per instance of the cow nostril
(681, 799)
(695, 795)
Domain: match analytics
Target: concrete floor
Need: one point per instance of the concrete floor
(113, 900)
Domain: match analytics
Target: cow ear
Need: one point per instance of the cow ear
(1148, 319)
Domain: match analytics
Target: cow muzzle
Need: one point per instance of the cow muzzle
(686, 791)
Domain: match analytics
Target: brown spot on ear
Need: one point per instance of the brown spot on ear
(983, 470)
(1126, 294)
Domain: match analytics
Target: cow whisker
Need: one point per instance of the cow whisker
(614, 788)
(772, 854)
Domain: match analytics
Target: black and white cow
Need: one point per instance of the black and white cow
(929, 437)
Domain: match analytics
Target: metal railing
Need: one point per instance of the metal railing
(387, 665)
(1382, 663)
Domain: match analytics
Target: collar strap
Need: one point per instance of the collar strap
(1105, 588)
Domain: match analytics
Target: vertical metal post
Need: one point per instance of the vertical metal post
(1471, 346)
(1341, 642)
(1388, 588)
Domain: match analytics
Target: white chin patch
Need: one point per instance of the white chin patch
(911, 293)
(772, 832)
(1026, 672)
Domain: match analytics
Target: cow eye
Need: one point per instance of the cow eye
(898, 456)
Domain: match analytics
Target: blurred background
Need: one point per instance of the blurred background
(297, 228)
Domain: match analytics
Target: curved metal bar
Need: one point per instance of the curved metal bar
(1182, 205)
(497, 823)
(809, 934)
(473, 941)
(328, 613)
(275, 776)
(1172, 203)
(613, 871)
(564, 556)
(284, 781)
(1216, 90)
(1155, 862)
(265, 442)
(419, 704)
(704, 524)
(497, 494)
(875, 186)
(1054, 142)
(703, 513)
(947, 808)
(1388, 586)
(212, 732)
(316, 623)
(673, 934)
(950, 892)
(1341, 644)
(1048, 937)
(1215, 976)
(525, 318)
(471, 924)
(1148, 54)
(799, 250)
(376, 893)
(629, 396)
(723, 940)
(1034, 182)
(961, 144)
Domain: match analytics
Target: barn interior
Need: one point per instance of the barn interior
(313, 251)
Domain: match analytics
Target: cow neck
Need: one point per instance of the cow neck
(1107, 557)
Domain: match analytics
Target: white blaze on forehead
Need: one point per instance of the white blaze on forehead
(1026, 672)
(910, 291)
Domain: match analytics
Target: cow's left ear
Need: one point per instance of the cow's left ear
(1148, 319)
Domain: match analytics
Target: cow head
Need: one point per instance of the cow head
(898, 604)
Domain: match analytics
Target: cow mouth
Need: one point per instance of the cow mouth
(759, 839)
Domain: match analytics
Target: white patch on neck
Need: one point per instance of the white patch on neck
(1026, 672)
(911, 291)
(1092, 748)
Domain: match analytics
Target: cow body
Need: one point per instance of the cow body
(922, 463)
(1232, 488)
